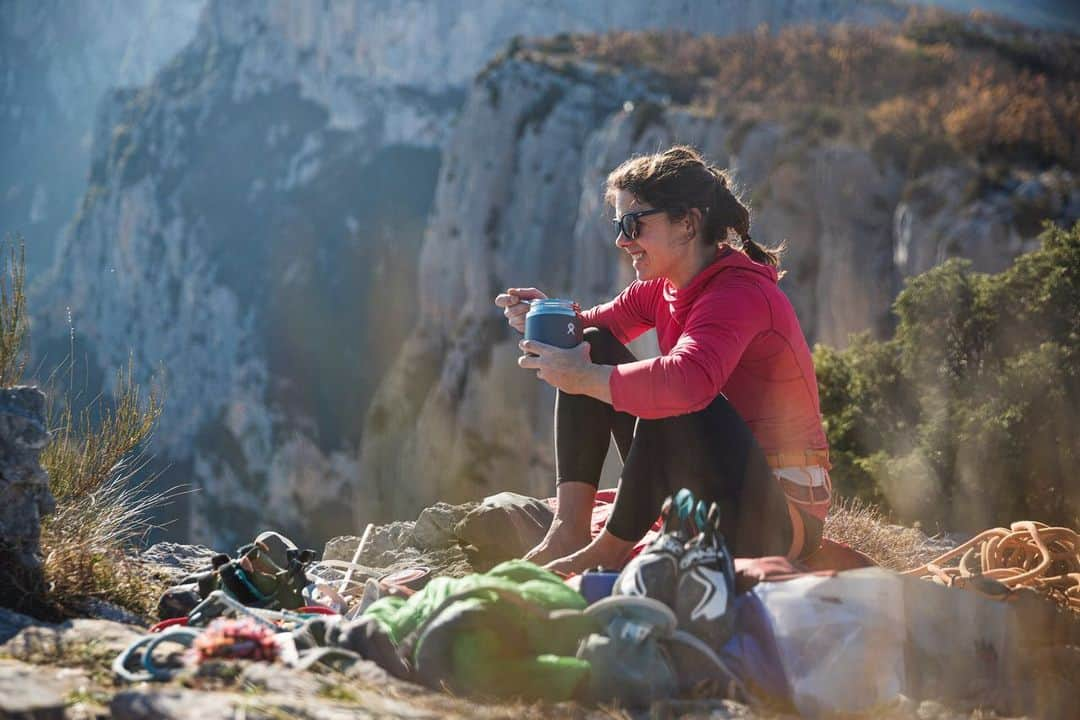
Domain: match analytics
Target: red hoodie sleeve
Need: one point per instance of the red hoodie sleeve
(719, 327)
(629, 314)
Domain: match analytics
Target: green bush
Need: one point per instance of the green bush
(970, 415)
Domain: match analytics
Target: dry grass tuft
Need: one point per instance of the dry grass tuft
(101, 510)
(87, 455)
(865, 528)
(92, 461)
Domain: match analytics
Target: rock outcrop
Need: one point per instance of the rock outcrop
(946, 214)
(24, 494)
(253, 227)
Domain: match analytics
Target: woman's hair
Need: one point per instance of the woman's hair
(679, 179)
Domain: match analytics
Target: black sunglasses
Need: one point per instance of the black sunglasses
(628, 223)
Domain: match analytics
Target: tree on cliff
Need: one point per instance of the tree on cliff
(970, 415)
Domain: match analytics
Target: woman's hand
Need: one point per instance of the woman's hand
(570, 370)
(514, 309)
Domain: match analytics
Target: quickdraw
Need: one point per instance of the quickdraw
(1028, 554)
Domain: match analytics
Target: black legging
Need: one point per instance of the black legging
(712, 452)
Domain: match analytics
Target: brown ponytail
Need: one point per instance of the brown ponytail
(732, 208)
(679, 179)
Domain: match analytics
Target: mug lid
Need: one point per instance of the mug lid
(555, 306)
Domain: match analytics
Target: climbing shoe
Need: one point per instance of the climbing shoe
(704, 601)
(654, 572)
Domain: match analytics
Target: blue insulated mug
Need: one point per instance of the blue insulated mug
(554, 322)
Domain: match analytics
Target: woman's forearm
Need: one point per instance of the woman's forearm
(568, 369)
(597, 382)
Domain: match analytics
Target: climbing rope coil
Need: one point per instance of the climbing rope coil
(1027, 554)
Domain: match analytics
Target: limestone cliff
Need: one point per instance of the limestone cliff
(253, 224)
(455, 418)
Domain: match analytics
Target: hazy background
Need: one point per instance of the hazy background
(293, 216)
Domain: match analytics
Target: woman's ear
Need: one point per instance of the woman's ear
(693, 222)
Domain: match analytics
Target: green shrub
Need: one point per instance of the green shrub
(970, 415)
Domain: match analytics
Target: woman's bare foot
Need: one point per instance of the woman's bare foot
(569, 531)
(606, 551)
(560, 541)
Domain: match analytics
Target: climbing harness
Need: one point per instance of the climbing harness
(1028, 554)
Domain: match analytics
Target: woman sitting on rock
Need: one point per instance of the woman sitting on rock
(730, 407)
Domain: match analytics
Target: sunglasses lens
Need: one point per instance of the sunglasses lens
(629, 226)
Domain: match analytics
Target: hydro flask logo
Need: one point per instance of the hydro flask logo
(570, 328)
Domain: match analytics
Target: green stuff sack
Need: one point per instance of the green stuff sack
(480, 647)
(510, 632)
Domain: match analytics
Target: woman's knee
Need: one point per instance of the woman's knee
(604, 347)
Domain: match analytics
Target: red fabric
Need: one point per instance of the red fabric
(834, 555)
(765, 567)
(731, 331)
(751, 571)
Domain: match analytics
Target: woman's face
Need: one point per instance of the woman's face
(661, 248)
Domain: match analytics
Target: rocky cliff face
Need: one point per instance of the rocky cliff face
(237, 237)
(253, 228)
(455, 418)
(500, 213)
(57, 60)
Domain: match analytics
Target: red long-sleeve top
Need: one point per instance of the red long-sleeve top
(731, 331)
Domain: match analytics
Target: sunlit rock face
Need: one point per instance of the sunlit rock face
(455, 418)
(253, 228)
(57, 60)
(263, 259)
(455, 409)
(945, 214)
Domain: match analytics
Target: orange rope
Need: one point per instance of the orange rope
(1028, 554)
